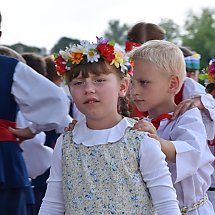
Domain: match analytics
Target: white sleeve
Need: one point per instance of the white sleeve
(209, 103)
(157, 177)
(53, 202)
(190, 144)
(193, 89)
(37, 156)
(41, 101)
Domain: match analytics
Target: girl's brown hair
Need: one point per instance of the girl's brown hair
(143, 32)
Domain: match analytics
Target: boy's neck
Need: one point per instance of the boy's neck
(165, 109)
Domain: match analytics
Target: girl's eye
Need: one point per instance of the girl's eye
(77, 83)
(100, 80)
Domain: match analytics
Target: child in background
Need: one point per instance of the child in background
(102, 166)
(142, 32)
(159, 71)
(192, 60)
(35, 61)
(11, 53)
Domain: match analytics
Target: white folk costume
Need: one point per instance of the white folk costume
(108, 172)
(191, 174)
(193, 89)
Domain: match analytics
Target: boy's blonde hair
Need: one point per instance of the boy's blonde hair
(166, 56)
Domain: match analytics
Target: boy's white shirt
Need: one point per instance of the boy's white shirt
(46, 111)
(192, 172)
(193, 89)
(152, 161)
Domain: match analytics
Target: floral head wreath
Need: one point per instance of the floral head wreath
(87, 52)
(209, 73)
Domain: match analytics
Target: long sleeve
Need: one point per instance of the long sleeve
(193, 89)
(157, 176)
(41, 102)
(189, 137)
(209, 103)
(53, 202)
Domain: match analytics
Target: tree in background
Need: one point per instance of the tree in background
(200, 34)
(20, 48)
(116, 32)
(172, 30)
(62, 43)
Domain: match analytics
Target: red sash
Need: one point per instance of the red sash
(5, 134)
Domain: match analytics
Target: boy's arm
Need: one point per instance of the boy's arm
(167, 147)
(206, 104)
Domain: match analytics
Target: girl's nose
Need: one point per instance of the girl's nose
(89, 88)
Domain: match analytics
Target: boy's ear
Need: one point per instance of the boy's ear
(174, 84)
(123, 87)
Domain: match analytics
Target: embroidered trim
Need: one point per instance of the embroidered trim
(196, 205)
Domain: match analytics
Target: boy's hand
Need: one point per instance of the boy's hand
(22, 133)
(143, 125)
(186, 105)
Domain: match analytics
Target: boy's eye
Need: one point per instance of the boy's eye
(144, 82)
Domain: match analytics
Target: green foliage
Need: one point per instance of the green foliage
(172, 30)
(63, 43)
(200, 34)
(117, 32)
(21, 48)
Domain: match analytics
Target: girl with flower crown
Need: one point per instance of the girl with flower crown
(100, 165)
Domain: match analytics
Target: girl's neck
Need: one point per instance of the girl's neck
(103, 123)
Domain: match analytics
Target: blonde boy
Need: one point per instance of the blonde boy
(159, 72)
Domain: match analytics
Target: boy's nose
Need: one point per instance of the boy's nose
(134, 88)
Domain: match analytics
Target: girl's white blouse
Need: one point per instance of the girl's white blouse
(153, 168)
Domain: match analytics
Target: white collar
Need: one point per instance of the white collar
(88, 137)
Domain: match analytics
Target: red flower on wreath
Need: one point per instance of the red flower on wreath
(106, 51)
(60, 65)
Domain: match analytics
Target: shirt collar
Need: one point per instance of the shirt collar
(83, 134)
